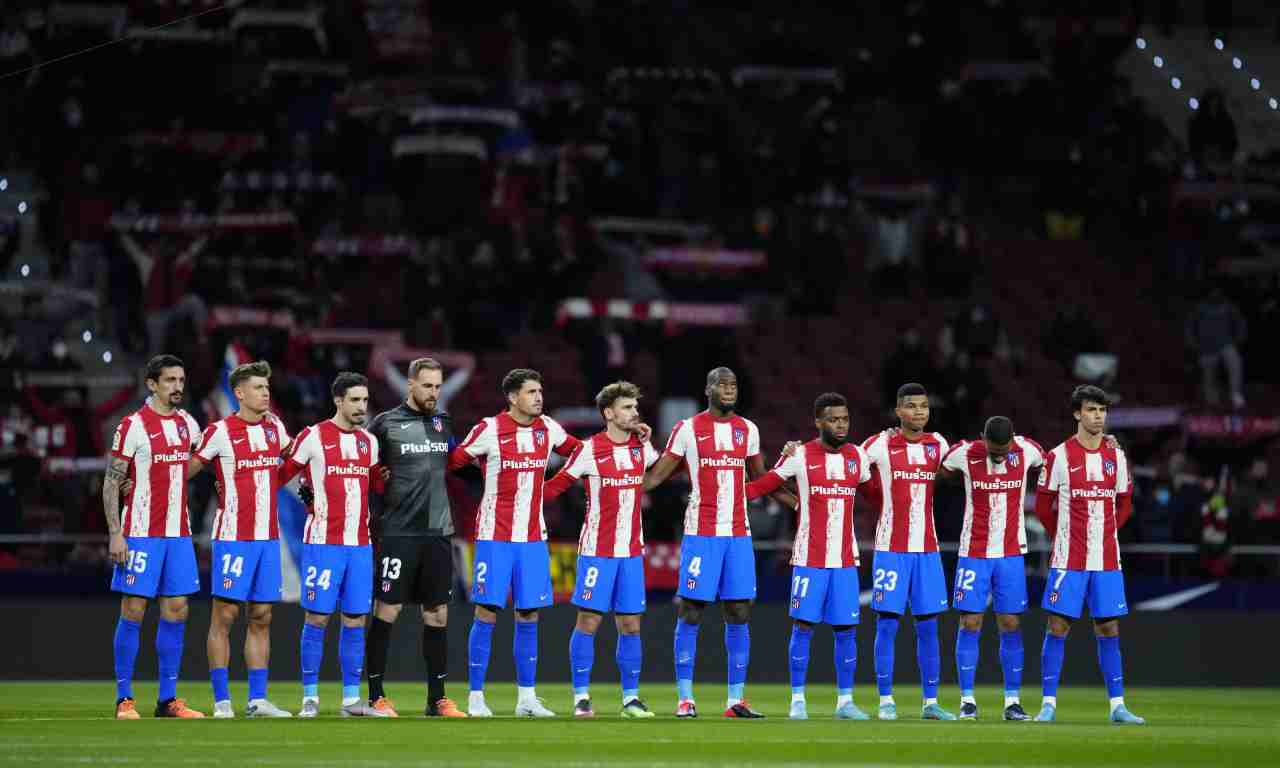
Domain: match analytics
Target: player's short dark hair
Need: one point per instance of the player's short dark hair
(424, 364)
(515, 379)
(828, 400)
(242, 373)
(716, 374)
(615, 392)
(346, 380)
(156, 365)
(911, 389)
(1088, 393)
(998, 429)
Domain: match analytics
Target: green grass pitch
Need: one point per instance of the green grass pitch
(69, 723)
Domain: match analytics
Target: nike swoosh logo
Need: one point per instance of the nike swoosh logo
(799, 658)
(1017, 669)
(588, 669)
(157, 434)
(897, 451)
(533, 658)
(966, 669)
(1116, 679)
(741, 666)
(330, 446)
(405, 426)
(850, 661)
(976, 461)
(542, 597)
(933, 681)
(1073, 469)
(441, 677)
(504, 442)
(237, 442)
(814, 466)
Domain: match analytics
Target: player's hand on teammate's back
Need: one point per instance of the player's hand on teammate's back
(791, 447)
(386, 474)
(126, 489)
(305, 494)
(1112, 441)
(118, 549)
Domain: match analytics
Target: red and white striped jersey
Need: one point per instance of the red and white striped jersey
(828, 484)
(903, 477)
(247, 460)
(613, 474)
(994, 522)
(339, 464)
(157, 448)
(716, 452)
(514, 461)
(1086, 484)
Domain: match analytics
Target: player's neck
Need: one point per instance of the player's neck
(830, 447)
(617, 434)
(717, 413)
(520, 418)
(414, 407)
(164, 409)
(1089, 441)
(250, 416)
(342, 423)
(912, 435)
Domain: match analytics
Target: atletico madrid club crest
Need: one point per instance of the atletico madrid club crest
(691, 584)
(635, 455)
(182, 431)
(311, 595)
(386, 586)
(738, 437)
(795, 603)
(539, 437)
(1109, 467)
(479, 589)
(932, 452)
(959, 595)
(852, 466)
(226, 583)
(1053, 598)
(879, 597)
(130, 579)
(586, 594)
(1013, 460)
(363, 446)
(271, 434)
(437, 423)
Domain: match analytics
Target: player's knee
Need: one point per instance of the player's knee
(224, 615)
(486, 614)
(841, 627)
(174, 609)
(628, 624)
(1008, 622)
(527, 617)
(971, 621)
(1108, 628)
(737, 611)
(436, 616)
(260, 615)
(315, 619)
(588, 622)
(1058, 626)
(388, 612)
(133, 608)
(352, 620)
(802, 624)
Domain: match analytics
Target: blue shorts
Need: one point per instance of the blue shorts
(825, 595)
(518, 569)
(606, 584)
(157, 565)
(337, 572)
(246, 571)
(1067, 592)
(1002, 578)
(900, 579)
(717, 568)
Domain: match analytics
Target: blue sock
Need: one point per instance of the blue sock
(737, 648)
(311, 654)
(169, 636)
(928, 656)
(582, 654)
(1051, 662)
(686, 655)
(846, 660)
(351, 657)
(799, 653)
(525, 648)
(1112, 668)
(125, 647)
(1012, 658)
(966, 659)
(221, 690)
(479, 645)
(886, 636)
(629, 657)
(257, 684)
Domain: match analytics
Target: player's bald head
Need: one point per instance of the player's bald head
(718, 375)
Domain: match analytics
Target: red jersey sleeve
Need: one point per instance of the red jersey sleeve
(764, 485)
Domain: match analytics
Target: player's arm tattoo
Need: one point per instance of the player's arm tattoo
(117, 471)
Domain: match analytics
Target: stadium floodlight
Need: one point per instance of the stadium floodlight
(1255, 83)
(1273, 103)
(1141, 43)
(1217, 43)
(1236, 62)
(1193, 102)
(106, 356)
(4, 184)
(1176, 83)
(1158, 61)
(22, 207)
(25, 270)
(87, 336)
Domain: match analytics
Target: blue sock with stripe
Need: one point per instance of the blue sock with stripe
(686, 649)
(966, 659)
(846, 651)
(582, 655)
(629, 657)
(125, 650)
(798, 651)
(479, 646)
(886, 636)
(1051, 662)
(1112, 666)
(351, 657)
(928, 656)
(737, 647)
(525, 647)
(311, 652)
(1012, 659)
(169, 637)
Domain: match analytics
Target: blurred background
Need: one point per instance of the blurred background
(997, 199)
